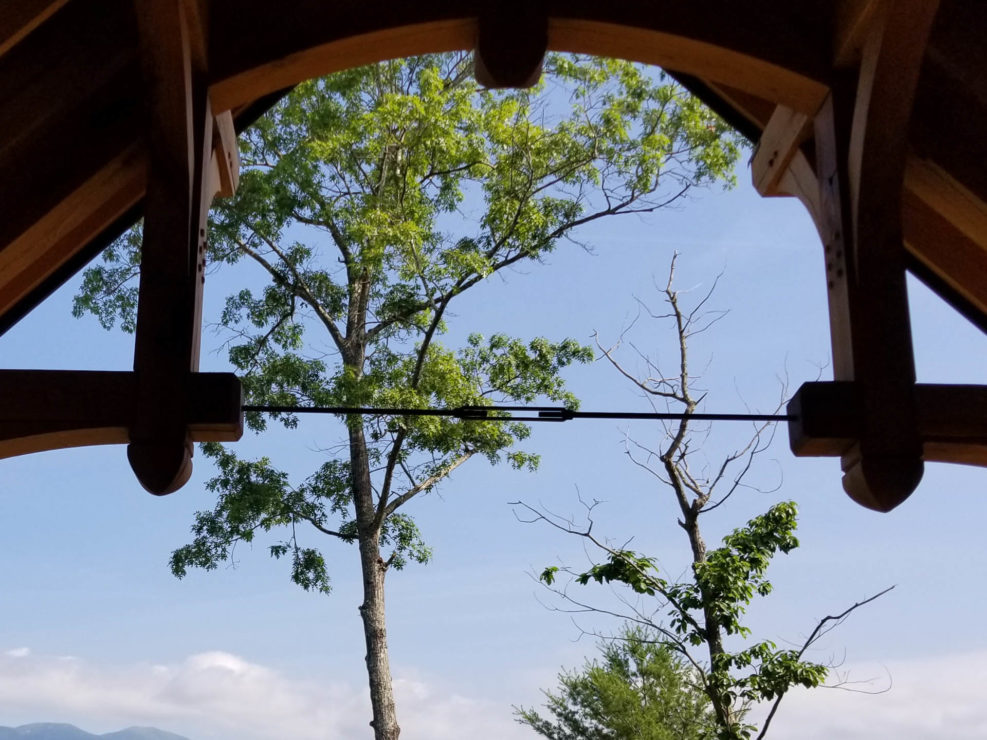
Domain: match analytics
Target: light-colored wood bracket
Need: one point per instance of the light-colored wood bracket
(51, 409)
(785, 132)
(779, 167)
(184, 173)
(225, 157)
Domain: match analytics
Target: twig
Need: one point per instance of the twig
(815, 635)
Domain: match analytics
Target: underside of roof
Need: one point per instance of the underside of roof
(869, 111)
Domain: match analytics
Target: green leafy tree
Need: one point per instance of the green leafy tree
(639, 690)
(370, 201)
(701, 618)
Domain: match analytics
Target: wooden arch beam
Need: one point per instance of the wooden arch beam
(776, 54)
(65, 195)
(842, 73)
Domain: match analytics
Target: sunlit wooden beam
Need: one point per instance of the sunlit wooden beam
(779, 167)
(780, 141)
(255, 52)
(20, 17)
(945, 228)
(226, 155)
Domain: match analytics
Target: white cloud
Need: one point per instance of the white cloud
(218, 695)
(221, 696)
(929, 699)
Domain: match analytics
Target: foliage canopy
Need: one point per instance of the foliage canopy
(371, 200)
(638, 690)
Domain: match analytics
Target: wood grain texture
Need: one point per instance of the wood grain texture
(861, 145)
(780, 55)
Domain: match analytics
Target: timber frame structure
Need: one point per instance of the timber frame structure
(869, 111)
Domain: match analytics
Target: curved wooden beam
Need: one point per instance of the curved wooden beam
(843, 74)
(743, 70)
(779, 167)
(252, 55)
(65, 194)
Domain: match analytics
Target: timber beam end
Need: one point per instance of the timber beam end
(50, 409)
(951, 425)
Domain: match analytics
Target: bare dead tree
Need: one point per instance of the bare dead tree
(698, 616)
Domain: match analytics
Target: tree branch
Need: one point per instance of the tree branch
(427, 483)
(818, 632)
(298, 288)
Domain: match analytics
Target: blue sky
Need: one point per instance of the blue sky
(95, 631)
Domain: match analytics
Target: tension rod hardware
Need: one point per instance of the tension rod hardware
(515, 413)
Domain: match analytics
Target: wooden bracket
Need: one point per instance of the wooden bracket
(779, 167)
(183, 176)
(950, 420)
(511, 43)
(784, 133)
(860, 153)
(51, 409)
(225, 157)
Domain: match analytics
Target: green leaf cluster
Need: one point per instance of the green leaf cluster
(724, 584)
(380, 161)
(368, 202)
(639, 689)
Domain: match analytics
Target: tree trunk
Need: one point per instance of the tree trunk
(725, 714)
(385, 722)
(372, 566)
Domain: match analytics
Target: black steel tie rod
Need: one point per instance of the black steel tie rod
(514, 413)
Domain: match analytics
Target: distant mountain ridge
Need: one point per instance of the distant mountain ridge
(59, 731)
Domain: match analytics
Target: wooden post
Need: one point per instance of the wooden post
(179, 141)
(861, 146)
